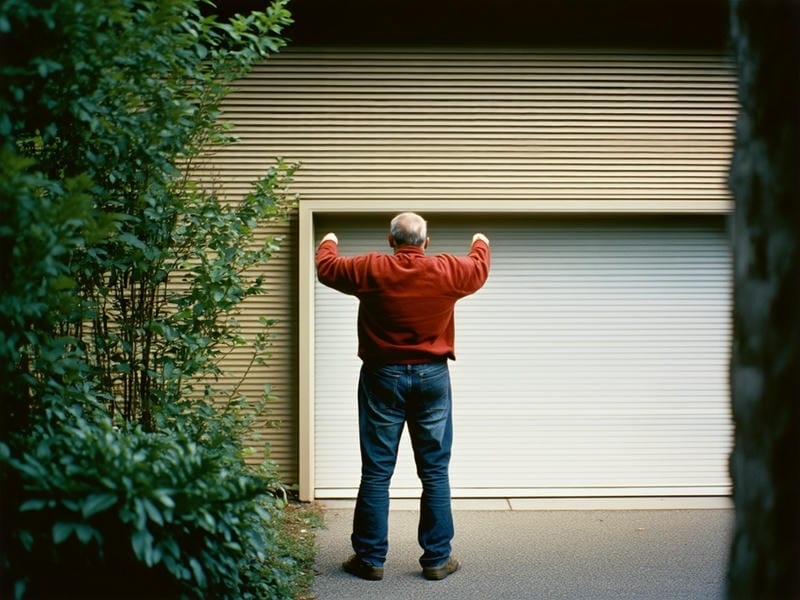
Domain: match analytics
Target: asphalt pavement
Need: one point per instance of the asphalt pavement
(669, 554)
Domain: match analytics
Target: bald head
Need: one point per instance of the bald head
(409, 229)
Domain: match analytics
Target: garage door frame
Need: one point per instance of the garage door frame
(307, 246)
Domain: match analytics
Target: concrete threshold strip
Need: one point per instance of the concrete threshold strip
(619, 503)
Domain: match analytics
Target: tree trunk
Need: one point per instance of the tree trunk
(765, 370)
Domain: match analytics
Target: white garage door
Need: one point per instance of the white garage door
(592, 363)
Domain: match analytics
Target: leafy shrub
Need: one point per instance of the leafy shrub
(121, 99)
(131, 514)
(120, 277)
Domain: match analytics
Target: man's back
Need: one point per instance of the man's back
(407, 299)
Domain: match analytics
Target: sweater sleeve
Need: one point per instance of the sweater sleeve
(473, 269)
(337, 272)
(481, 255)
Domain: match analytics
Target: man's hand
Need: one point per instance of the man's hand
(481, 237)
(332, 237)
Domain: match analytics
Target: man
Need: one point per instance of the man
(406, 335)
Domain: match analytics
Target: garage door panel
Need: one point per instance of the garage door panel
(595, 357)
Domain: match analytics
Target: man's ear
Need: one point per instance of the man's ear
(427, 243)
(391, 241)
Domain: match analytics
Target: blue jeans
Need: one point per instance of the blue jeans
(388, 397)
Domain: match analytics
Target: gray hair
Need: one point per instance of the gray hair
(409, 229)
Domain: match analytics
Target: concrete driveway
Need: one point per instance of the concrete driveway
(668, 554)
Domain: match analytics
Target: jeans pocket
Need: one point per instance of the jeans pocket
(382, 385)
(434, 385)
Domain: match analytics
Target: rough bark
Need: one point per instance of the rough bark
(765, 369)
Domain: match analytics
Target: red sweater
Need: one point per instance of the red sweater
(405, 314)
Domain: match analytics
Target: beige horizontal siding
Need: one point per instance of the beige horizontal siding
(277, 426)
(490, 124)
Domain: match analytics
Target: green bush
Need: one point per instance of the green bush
(112, 109)
(121, 464)
(113, 513)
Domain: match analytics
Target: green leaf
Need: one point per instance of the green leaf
(26, 538)
(152, 511)
(132, 240)
(197, 569)
(96, 503)
(35, 504)
(19, 589)
(86, 532)
(61, 531)
(165, 498)
(142, 544)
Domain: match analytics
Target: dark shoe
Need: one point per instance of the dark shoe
(435, 573)
(355, 566)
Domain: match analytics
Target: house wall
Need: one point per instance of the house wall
(506, 131)
(599, 131)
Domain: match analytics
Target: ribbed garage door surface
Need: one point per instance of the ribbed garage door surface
(593, 362)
